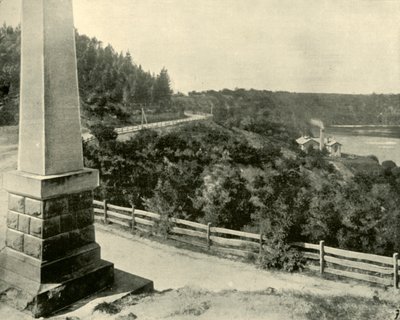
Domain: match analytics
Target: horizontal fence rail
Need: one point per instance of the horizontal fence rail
(326, 260)
(154, 125)
(357, 265)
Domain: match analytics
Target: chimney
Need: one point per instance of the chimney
(321, 139)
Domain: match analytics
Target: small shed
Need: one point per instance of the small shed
(334, 148)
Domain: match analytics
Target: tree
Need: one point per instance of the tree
(9, 74)
(324, 220)
(143, 87)
(223, 197)
(103, 133)
(162, 88)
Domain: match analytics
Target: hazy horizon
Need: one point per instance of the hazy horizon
(321, 46)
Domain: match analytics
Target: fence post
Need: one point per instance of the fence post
(261, 244)
(133, 219)
(321, 256)
(395, 271)
(105, 211)
(208, 235)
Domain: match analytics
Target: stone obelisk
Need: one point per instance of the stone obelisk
(51, 258)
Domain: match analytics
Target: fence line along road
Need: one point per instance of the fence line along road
(190, 117)
(323, 259)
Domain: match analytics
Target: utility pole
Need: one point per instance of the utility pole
(144, 119)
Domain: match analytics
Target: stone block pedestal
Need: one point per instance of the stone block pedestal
(51, 258)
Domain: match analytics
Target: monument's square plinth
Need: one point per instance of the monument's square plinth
(51, 258)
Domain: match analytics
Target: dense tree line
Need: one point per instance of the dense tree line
(249, 175)
(296, 109)
(9, 74)
(111, 84)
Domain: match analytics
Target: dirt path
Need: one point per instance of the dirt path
(170, 267)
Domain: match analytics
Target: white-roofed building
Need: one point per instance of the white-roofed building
(306, 143)
(333, 147)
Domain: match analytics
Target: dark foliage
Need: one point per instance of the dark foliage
(111, 86)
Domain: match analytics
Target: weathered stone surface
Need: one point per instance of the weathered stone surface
(46, 187)
(50, 141)
(23, 223)
(80, 284)
(33, 207)
(55, 207)
(85, 217)
(80, 201)
(56, 247)
(16, 203)
(36, 228)
(55, 271)
(86, 258)
(51, 227)
(68, 223)
(15, 240)
(19, 263)
(43, 300)
(81, 237)
(33, 246)
(12, 220)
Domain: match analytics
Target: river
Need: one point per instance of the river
(381, 141)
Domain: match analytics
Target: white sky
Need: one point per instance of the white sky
(348, 46)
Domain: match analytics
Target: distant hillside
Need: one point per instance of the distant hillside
(298, 108)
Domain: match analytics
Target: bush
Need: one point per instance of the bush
(281, 256)
(109, 308)
(162, 227)
(373, 157)
(103, 133)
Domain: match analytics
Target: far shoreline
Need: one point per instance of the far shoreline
(363, 125)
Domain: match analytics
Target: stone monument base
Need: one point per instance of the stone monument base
(44, 299)
(51, 258)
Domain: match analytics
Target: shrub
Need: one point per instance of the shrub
(373, 157)
(105, 307)
(162, 227)
(103, 133)
(388, 165)
(281, 256)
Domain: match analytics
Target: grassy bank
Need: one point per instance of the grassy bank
(192, 303)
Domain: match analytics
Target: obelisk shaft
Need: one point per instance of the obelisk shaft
(50, 136)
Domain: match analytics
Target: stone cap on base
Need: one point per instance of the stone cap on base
(45, 187)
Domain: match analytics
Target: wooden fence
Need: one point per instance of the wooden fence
(238, 243)
(356, 265)
(154, 125)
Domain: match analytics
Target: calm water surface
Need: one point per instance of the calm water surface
(382, 141)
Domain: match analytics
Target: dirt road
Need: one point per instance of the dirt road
(170, 267)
